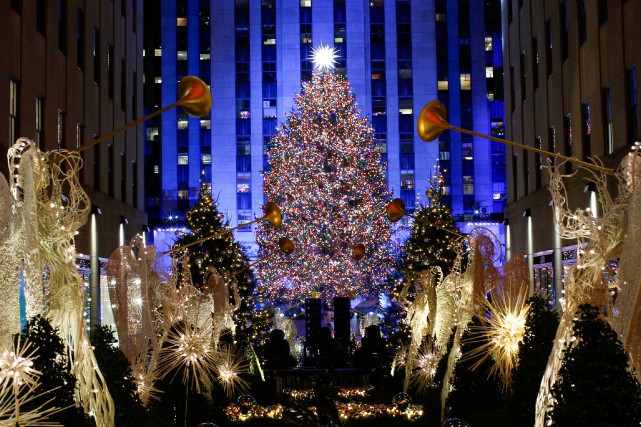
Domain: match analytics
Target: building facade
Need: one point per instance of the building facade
(72, 71)
(397, 55)
(570, 88)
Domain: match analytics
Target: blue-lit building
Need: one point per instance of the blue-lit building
(397, 55)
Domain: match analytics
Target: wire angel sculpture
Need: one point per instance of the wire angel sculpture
(49, 207)
(599, 240)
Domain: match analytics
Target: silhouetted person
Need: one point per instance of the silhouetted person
(277, 351)
(331, 353)
(326, 392)
(372, 350)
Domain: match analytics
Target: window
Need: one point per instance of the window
(13, 111)
(489, 72)
(156, 169)
(96, 55)
(468, 184)
(62, 26)
(181, 22)
(80, 39)
(586, 129)
(466, 81)
(552, 139)
(41, 16)
(443, 85)
(39, 122)
(407, 179)
(608, 131)
(488, 44)
(205, 158)
(60, 131)
(243, 180)
(183, 159)
(631, 91)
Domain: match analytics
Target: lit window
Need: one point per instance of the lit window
(183, 194)
(466, 82)
(489, 72)
(157, 52)
(269, 40)
(407, 179)
(206, 159)
(181, 22)
(158, 79)
(441, 17)
(182, 55)
(405, 110)
(305, 3)
(242, 182)
(490, 96)
(468, 152)
(497, 196)
(183, 159)
(205, 56)
(156, 169)
(205, 124)
(443, 85)
(488, 44)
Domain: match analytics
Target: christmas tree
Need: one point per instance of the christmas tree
(474, 395)
(540, 330)
(428, 245)
(57, 383)
(220, 254)
(595, 385)
(119, 379)
(326, 176)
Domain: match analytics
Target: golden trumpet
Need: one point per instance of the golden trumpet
(432, 122)
(193, 95)
(396, 210)
(271, 213)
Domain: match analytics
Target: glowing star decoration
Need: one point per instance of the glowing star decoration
(229, 367)
(188, 350)
(324, 57)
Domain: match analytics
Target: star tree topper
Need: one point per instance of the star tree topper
(324, 57)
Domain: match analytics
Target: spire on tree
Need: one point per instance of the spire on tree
(326, 176)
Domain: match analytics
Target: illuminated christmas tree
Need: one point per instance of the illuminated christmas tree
(326, 176)
(428, 245)
(222, 254)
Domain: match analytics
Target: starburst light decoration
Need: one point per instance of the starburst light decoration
(504, 329)
(230, 364)
(324, 57)
(425, 365)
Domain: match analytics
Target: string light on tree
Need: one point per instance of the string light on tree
(325, 174)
